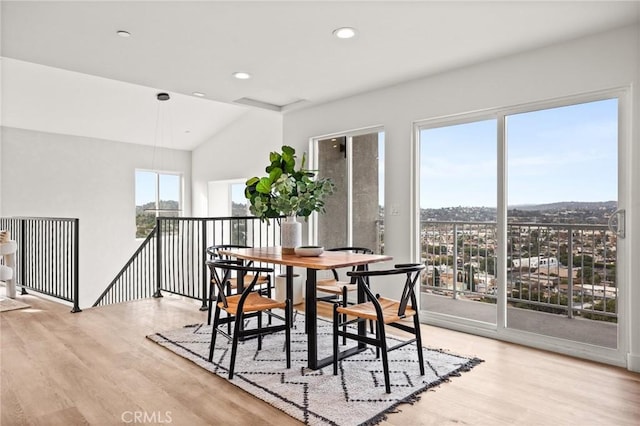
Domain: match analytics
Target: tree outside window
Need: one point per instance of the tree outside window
(157, 194)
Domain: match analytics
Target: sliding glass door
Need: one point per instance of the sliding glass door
(353, 214)
(522, 222)
(562, 191)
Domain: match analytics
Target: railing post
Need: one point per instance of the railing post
(205, 295)
(158, 259)
(455, 260)
(570, 274)
(23, 253)
(76, 266)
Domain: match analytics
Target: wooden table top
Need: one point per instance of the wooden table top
(327, 260)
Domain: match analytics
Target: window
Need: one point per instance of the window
(239, 203)
(157, 194)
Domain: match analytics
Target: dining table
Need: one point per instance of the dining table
(327, 260)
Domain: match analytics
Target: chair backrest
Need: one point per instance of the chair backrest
(360, 250)
(222, 269)
(411, 272)
(214, 251)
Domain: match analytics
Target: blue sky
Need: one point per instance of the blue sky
(560, 154)
(146, 187)
(237, 193)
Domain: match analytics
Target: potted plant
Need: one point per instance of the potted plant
(289, 192)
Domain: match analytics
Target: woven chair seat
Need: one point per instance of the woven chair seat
(254, 302)
(334, 287)
(368, 311)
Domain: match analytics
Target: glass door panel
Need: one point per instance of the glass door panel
(353, 212)
(562, 166)
(458, 180)
(332, 163)
(366, 206)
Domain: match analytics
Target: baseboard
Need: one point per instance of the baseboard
(633, 362)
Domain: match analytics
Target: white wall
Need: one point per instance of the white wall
(239, 151)
(0, 144)
(51, 175)
(590, 64)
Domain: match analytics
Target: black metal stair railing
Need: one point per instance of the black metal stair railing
(173, 257)
(137, 278)
(47, 257)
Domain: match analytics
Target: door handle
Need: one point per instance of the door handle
(616, 222)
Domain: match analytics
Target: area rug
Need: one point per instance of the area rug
(355, 396)
(7, 304)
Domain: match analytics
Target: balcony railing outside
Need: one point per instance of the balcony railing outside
(567, 269)
(47, 257)
(173, 257)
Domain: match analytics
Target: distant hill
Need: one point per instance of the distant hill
(146, 215)
(560, 212)
(240, 210)
(568, 205)
(164, 205)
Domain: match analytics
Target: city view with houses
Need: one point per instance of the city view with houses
(561, 257)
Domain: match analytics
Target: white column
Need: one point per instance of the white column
(8, 270)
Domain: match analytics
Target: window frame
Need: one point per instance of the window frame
(623, 95)
(157, 210)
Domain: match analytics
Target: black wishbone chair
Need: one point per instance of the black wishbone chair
(231, 285)
(385, 312)
(339, 289)
(240, 306)
(335, 286)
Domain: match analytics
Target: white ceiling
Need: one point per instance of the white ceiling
(65, 70)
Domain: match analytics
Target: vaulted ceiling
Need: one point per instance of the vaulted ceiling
(65, 70)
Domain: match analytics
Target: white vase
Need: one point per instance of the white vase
(291, 236)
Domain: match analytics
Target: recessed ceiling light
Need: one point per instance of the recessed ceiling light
(123, 33)
(241, 75)
(344, 32)
(198, 94)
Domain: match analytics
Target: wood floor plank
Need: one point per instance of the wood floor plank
(97, 366)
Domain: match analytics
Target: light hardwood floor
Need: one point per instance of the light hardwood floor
(96, 367)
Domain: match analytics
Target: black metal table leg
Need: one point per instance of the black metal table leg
(311, 319)
(289, 285)
(362, 325)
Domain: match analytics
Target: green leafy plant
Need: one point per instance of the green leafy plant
(287, 191)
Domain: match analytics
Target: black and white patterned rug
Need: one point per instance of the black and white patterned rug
(355, 396)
